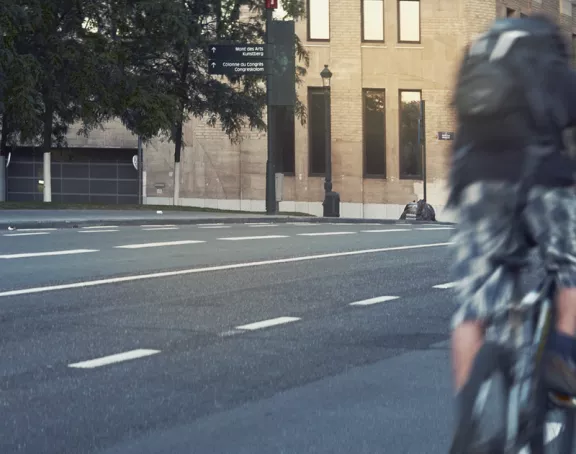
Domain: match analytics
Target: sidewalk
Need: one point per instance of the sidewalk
(22, 219)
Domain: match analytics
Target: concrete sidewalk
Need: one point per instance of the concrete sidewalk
(21, 219)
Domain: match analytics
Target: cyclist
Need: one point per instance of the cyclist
(485, 174)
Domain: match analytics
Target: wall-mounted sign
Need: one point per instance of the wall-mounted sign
(445, 136)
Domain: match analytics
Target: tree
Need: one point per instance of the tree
(64, 67)
(165, 47)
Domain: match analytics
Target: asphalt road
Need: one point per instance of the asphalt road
(256, 339)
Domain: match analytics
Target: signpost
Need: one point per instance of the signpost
(238, 60)
(276, 61)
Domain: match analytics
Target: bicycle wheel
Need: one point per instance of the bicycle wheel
(559, 428)
(489, 382)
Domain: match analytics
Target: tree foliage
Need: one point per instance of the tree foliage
(142, 61)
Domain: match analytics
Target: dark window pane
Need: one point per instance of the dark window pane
(75, 170)
(317, 131)
(284, 145)
(410, 153)
(409, 21)
(374, 133)
(104, 171)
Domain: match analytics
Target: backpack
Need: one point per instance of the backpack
(498, 96)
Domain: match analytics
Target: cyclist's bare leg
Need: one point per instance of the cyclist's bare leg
(566, 306)
(467, 339)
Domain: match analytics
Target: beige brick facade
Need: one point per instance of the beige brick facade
(216, 173)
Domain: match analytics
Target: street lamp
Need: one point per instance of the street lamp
(331, 199)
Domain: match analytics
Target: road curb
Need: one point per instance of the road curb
(78, 223)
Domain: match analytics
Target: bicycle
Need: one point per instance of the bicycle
(512, 354)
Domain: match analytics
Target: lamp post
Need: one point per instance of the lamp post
(331, 202)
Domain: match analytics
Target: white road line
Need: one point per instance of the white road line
(268, 323)
(215, 227)
(264, 237)
(37, 230)
(376, 300)
(98, 231)
(117, 280)
(262, 225)
(210, 225)
(165, 243)
(26, 234)
(435, 228)
(386, 230)
(106, 360)
(158, 225)
(303, 223)
(45, 254)
(153, 229)
(258, 223)
(448, 285)
(96, 227)
(326, 233)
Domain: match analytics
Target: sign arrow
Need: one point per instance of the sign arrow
(213, 65)
(213, 49)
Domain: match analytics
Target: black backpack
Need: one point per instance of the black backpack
(499, 94)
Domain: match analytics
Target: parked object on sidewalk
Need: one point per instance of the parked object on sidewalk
(425, 211)
(418, 211)
(409, 211)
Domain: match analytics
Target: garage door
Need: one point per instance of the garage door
(79, 175)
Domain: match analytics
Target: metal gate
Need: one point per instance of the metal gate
(79, 175)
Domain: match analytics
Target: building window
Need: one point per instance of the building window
(316, 131)
(510, 12)
(318, 15)
(410, 153)
(374, 132)
(409, 21)
(284, 144)
(373, 20)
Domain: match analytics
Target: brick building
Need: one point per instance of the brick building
(384, 55)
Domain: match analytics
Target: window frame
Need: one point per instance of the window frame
(279, 157)
(312, 90)
(364, 158)
(402, 176)
(400, 41)
(308, 25)
(364, 40)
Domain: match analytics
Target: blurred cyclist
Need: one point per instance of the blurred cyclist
(515, 97)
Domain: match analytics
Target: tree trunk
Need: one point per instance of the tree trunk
(177, 154)
(180, 124)
(46, 147)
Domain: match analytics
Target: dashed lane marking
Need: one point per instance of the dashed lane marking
(112, 359)
(376, 300)
(46, 254)
(267, 323)
(161, 244)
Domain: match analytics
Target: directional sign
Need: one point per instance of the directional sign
(238, 67)
(445, 136)
(238, 51)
